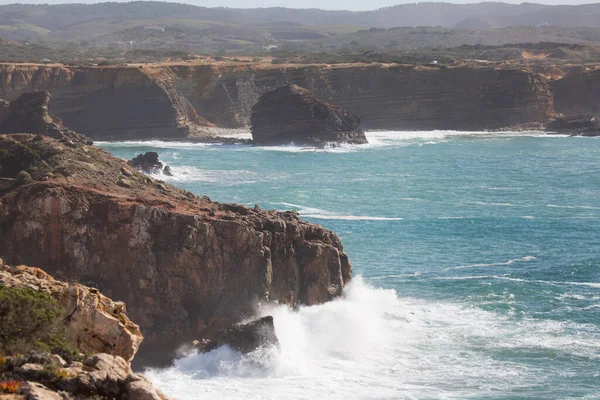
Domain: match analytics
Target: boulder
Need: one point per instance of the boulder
(576, 125)
(149, 163)
(29, 114)
(244, 337)
(293, 114)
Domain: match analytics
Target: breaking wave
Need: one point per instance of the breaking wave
(373, 344)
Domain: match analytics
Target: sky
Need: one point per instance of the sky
(354, 5)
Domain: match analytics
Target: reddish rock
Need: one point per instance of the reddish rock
(185, 266)
(293, 114)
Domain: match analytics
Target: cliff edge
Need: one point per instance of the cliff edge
(185, 266)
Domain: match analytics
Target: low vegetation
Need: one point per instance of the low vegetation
(31, 321)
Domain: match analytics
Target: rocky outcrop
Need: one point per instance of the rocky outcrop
(29, 113)
(245, 337)
(149, 163)
(293, 114)
(578, 92)
(576, 125)
(185, 266)
(45, 376)
(94, 322)
(177, 101)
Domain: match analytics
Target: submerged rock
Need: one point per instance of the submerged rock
(293, 114)
(29, 114)
(245, 337)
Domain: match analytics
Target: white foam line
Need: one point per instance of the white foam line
(509, 262)
(317, 213)
(573, 207)
(595, 285)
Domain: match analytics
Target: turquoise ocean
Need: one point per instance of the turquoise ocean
(476, 263)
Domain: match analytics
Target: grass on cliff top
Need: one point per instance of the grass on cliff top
(31, 320)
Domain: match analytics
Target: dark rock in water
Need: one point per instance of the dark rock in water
(245, 337)
(577, 125)
(167, 171)
(29, 114)
(293, 114)
(148, 163)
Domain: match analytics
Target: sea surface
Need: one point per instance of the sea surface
(476, 267)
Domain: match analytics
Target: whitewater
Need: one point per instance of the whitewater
(476, 267)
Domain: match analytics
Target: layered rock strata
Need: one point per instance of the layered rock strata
(293, 114)
(185, 266)
(177, 101)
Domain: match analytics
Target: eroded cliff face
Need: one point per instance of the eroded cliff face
(386, 96)
(185, 266)
(578, 92)
(106, 103)
(179, 100)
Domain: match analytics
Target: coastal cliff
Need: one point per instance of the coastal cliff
(178, 101)
(107, 103)
(185, 266)
(578, 92)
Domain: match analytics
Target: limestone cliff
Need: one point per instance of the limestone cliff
(185, 266)
(175, 101)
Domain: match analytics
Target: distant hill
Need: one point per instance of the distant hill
(38, 20)
(75, 31)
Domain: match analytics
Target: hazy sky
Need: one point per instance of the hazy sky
(323, 4)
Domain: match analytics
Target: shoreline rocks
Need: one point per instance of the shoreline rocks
(291, 114)
(575, 125)
(149, 163)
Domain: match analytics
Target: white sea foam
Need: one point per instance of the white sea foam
(573, 207)
(376, 139)
(483, 265)
(318, 213)
(373, 344)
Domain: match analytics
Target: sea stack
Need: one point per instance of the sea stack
(291, 114)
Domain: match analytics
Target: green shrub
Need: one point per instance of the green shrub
(30, 320)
